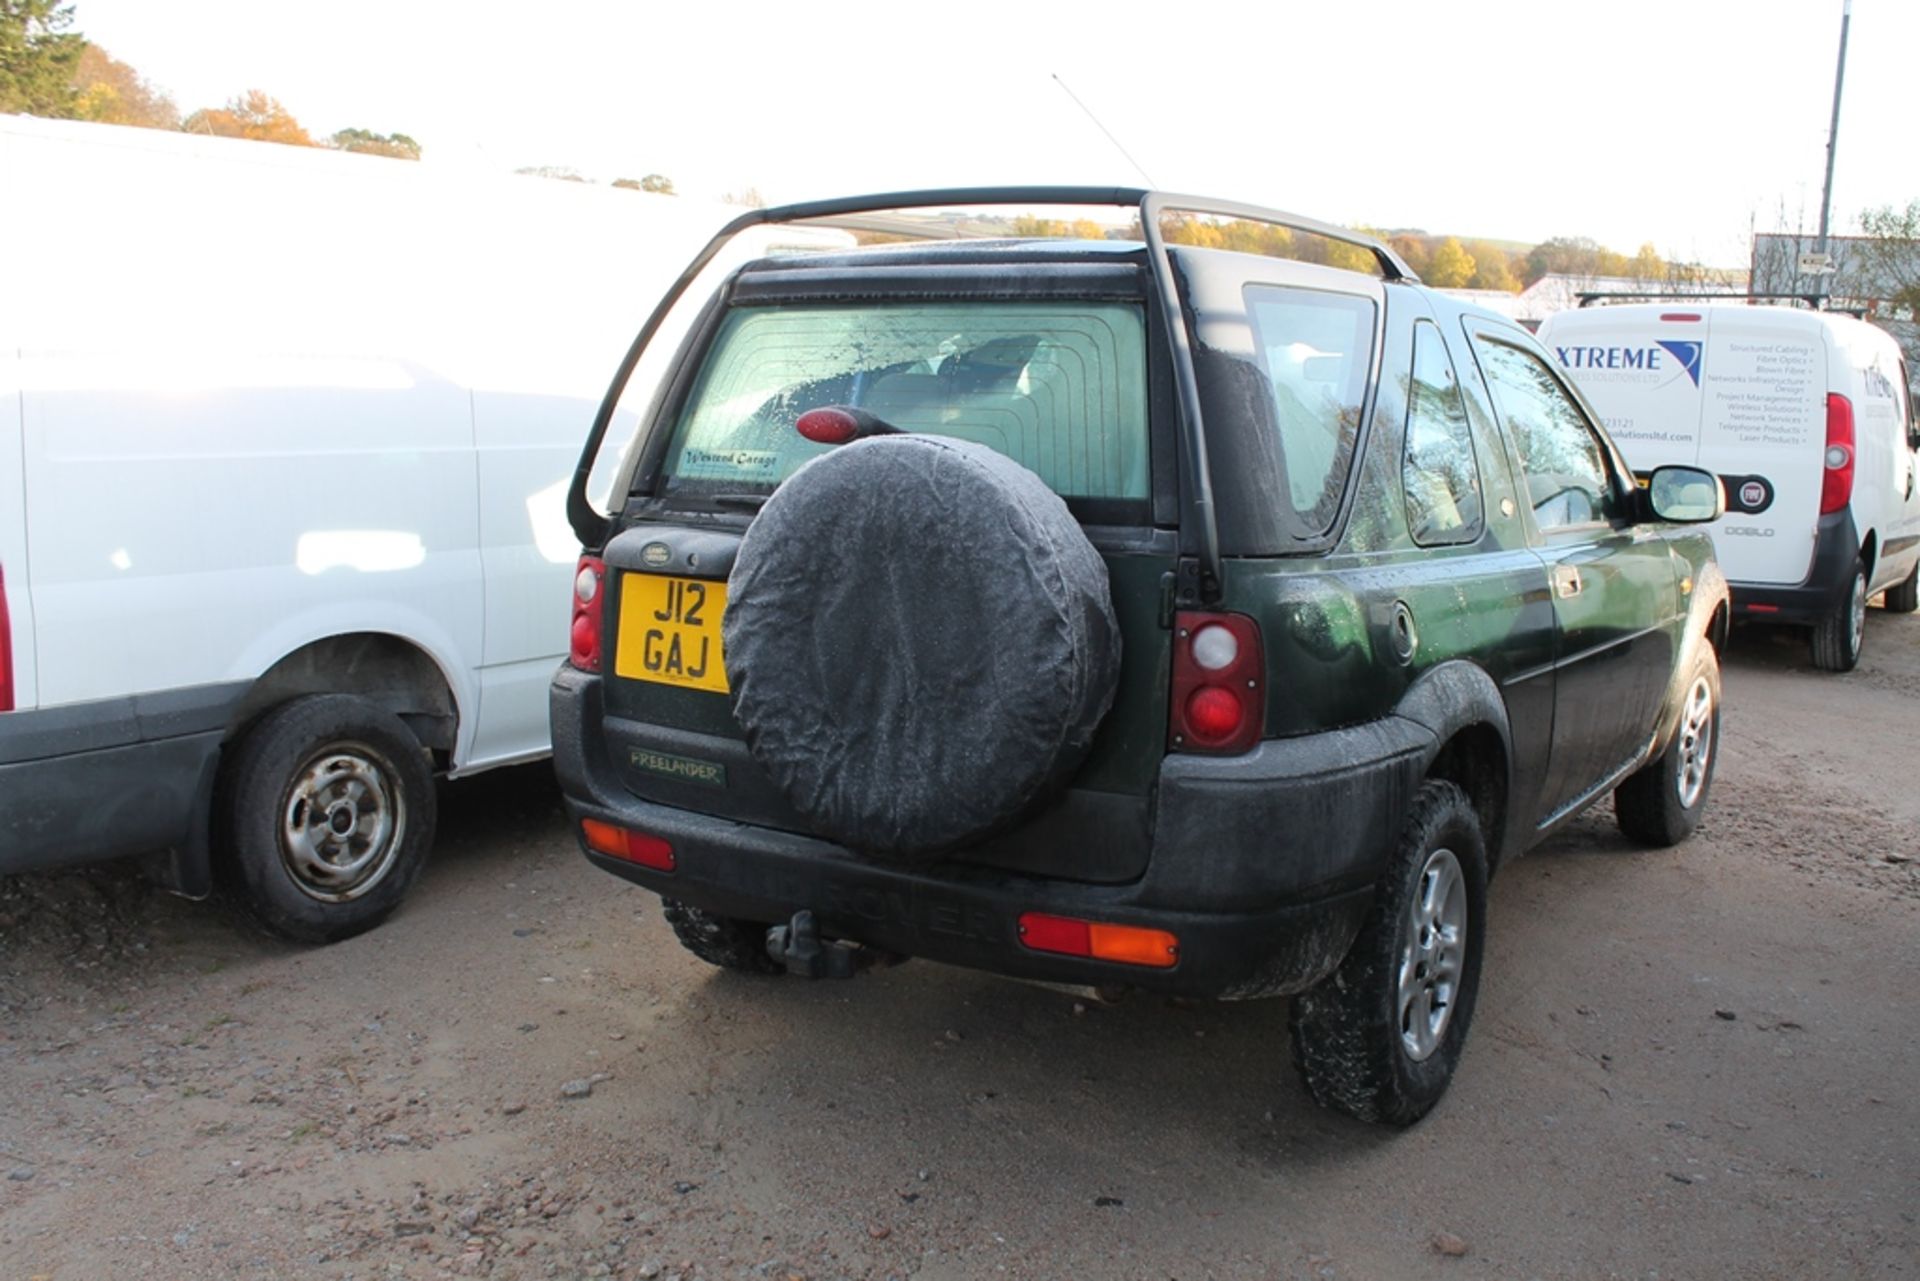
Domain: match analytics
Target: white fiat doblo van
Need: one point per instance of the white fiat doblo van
(1808, 418)
(284, 443)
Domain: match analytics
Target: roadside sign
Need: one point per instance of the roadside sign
(1812, 264)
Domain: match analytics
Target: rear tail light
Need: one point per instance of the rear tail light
(589, 593)
(1125, 944)
(1218, 702)
(6, 648)
(623, 843)
(1836, 489)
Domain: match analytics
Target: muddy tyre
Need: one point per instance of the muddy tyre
(1904, 596)
(1837, 636)
(1661, 804)
(326, 811)
(1380, 1038)
(724, 941)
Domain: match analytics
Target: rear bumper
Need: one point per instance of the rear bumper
(1836, 549)
(1263, 866)
(85, 782)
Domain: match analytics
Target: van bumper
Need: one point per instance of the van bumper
(1836, 549)
(1263, 865)
(85, 782)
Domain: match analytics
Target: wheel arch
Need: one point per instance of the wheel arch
(389, 671)
(1460, 705)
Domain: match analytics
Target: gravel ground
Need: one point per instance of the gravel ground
(1695, 1063)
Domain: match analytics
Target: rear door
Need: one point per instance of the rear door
(1070, 398)
(1763, 382)
(1615, 592)
(17, 683)
(16, 606)
(1640, 369)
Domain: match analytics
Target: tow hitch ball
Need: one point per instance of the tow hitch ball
(798, 946)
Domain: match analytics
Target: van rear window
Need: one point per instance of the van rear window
(1060, 388)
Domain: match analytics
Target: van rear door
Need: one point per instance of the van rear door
(17, 687)
(1640, 368)
(1763, 428)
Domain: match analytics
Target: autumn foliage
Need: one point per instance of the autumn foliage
(255, 115)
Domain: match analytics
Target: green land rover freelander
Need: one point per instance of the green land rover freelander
(1124, 613)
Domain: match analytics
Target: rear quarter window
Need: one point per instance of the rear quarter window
(1317, 352)
(1060, 388)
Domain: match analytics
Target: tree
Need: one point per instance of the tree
(1414, 249)
(1451, 266)
(561, 172)
(658, 184)
(1890, 255)
(396, 145)
(254, 114)
(1647, 265)
(751, 198)
(1564, 256)
(112, 93)
(1492, 269)
(37, 58)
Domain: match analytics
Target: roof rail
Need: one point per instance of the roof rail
(1815, 301)
(1200, 534)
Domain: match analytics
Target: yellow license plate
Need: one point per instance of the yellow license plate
(670, 631)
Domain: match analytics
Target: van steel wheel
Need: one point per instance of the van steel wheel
(343, 823)
(1379, 1039)
(1661, 803)
(327, 812)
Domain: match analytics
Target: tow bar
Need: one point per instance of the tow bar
(798, 946)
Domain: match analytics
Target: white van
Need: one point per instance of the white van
(284, 443)
(1807, 417)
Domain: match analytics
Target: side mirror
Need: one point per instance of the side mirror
(1686, 495)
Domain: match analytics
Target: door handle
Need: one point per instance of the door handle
(1566, 581)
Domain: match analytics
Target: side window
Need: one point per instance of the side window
(1317, 350)
(1565, 470)
(1440, 475)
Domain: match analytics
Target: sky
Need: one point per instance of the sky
(1684, 123)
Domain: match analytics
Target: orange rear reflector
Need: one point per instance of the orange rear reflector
(633, 847)
(1124, 944)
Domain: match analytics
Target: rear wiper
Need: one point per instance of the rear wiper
(752, 502)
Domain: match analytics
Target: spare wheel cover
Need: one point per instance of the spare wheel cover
(920, 642)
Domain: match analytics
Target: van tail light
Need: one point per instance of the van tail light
(1836, 489)
(6, 648)
(589, 594)
(1219, 694)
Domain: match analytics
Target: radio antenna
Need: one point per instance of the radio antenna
(1103, 129)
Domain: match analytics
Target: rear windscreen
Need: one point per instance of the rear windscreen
(1060, 388)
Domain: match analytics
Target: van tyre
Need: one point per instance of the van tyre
(1904, 597)
(326, 814)
(725, 941)
(1836, 637)
(1660, 805)
(1379, 1039)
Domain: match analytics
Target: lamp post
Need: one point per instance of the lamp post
(1833, 137)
